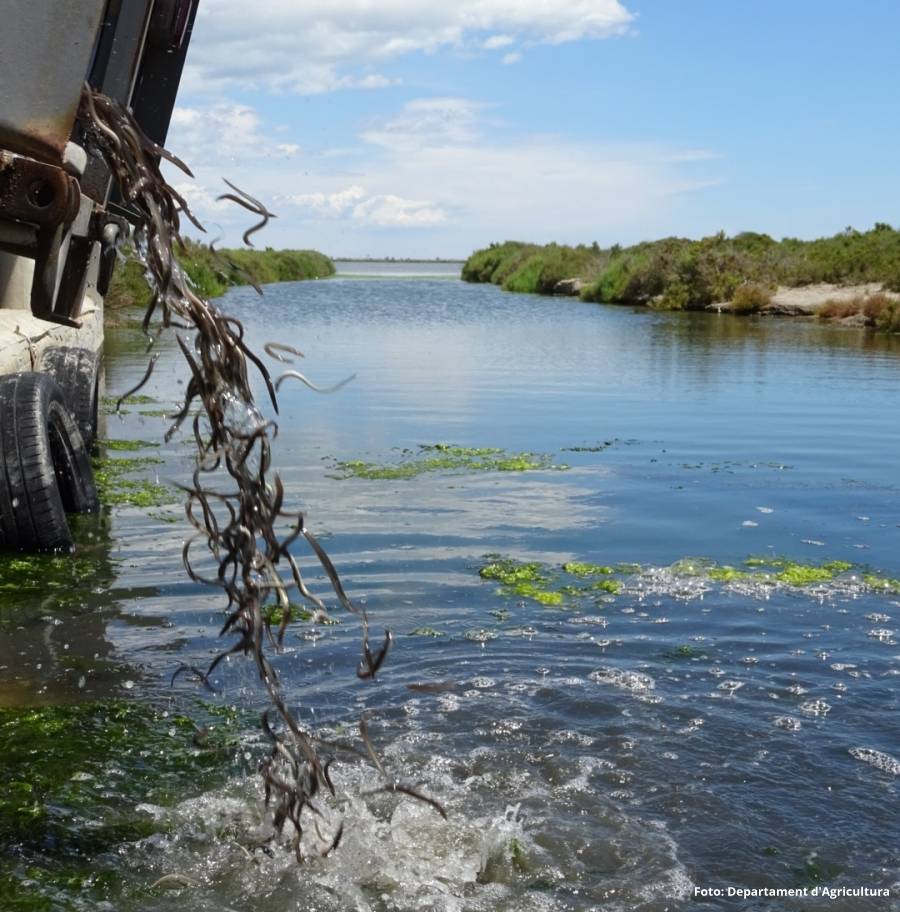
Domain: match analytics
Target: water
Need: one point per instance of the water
(616, 752)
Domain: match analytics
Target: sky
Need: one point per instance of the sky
(413, 128)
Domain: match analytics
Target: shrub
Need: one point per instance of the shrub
(750, 298)
(838, 310)
(677, 296)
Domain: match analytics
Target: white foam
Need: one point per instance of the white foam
(884, 762)
(634, 681)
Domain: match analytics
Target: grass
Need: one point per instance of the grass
(683, 274)
(442, 457)
(213, 272)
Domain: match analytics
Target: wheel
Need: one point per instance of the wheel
(45, 470)
(77, 371)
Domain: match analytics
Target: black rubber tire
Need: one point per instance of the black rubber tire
(45, 470)
(77, 371)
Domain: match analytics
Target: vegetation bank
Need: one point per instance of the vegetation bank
(743, 274)
(214, 271)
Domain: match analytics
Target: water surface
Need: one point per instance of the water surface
(614, 752)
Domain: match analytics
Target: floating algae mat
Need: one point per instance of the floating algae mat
(117, 486)
(77, 782)
(569, 585)
(443, 457)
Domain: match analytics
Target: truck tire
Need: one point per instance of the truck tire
(77, 371)
(45, 470)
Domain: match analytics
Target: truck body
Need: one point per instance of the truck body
(61, 223)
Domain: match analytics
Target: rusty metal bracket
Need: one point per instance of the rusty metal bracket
(37, 193)
(49, 221)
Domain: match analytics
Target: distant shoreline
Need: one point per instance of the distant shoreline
(339, 259)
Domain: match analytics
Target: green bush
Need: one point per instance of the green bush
(750, 298)
(211, 272)
(678, 273)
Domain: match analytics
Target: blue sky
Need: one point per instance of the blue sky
(405, 128)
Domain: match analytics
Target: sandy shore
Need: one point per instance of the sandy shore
(807, 299)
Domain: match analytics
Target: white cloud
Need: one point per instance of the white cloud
(436, 170)
(318, 46)
(385, 210)
(327, 204)
(427, 122)
(513, 57)
(393, 211)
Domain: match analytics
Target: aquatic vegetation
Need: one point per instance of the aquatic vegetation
(540, 583)
(59, 764)
(511, 572)
(276, 614)
(884, 584)
(116, 488)
(795, 573)
(727, 574)
(577, 568)
(41, 572)
(597, 448)
(442, 457)
(126, 446)
(426, 632)
(138, 399)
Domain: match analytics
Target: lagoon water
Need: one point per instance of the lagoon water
(693, 730)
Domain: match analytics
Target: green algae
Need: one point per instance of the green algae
(126, 446)
(883, 584)
(74, 777)
(610, 585)
(728, 574)
(426, 632)
(442, 457)
(536, 593)
(275, 615)
(577, 568)
(539, 583)
(116, 488)
(795, 573)
(60, 762)
(511, 572)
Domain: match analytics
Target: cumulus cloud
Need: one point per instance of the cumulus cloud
(513, 57)
(327, 204)
(316, 46)
(385, 210)
(394, 211)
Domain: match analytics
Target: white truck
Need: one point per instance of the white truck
(60, 224)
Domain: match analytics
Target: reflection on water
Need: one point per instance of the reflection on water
(611, 752)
